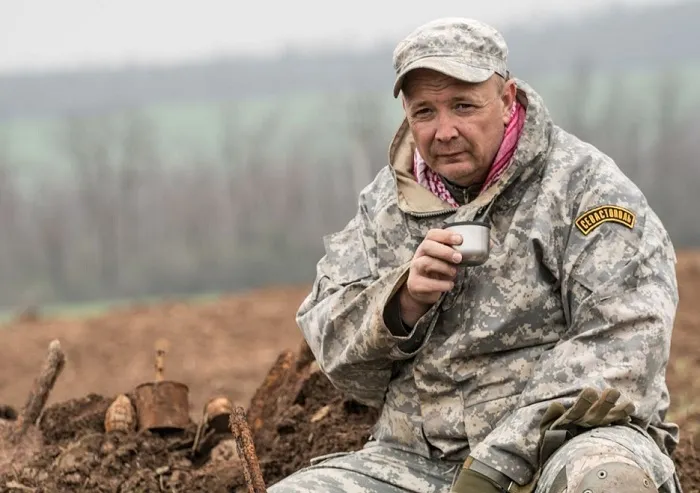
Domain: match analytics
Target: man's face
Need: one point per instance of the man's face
(458, 127)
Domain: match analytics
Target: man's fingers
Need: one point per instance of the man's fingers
(600, 408)
(619, 414)
(434, 268)
(426, 285)
(583, 403)
(430, 248)
(444, 236)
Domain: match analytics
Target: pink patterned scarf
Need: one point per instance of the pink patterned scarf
(427, 178)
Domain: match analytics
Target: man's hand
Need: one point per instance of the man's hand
(590, 410)
(432, 272)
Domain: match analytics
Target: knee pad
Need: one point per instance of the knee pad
(618, 477)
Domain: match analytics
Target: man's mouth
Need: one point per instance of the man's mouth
(450, 155)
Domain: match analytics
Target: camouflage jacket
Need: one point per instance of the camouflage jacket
(579, 290)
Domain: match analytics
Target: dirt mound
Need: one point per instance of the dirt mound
(77, 454)
(297, 414)
(72, 419)
(221, 347)
(687, 459)
(238, 347)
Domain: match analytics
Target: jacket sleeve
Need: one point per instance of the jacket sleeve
(619, 295)
(346, 318)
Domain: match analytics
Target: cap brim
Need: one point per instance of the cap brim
(448, 66)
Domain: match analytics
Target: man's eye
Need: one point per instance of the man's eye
(421, 112)
(464, 106)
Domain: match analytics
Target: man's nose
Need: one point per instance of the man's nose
(446, 128)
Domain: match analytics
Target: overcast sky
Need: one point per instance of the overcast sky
(38, 34)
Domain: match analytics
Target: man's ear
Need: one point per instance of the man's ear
(508, 98)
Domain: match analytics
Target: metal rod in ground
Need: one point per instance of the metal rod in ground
(241, 453)
(246, 467)
(39, 394)
(246, 446)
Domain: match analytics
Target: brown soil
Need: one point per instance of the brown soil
(297, 414)
(243, 347)
(688, 462)
(79, 455)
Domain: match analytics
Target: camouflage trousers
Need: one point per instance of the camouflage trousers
(379, 468)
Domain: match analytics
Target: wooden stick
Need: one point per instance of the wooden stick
(43, 384)
(200, 428)
(246, 450)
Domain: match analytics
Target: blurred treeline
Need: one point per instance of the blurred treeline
(125, 221)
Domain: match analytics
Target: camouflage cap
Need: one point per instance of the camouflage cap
(465, 49)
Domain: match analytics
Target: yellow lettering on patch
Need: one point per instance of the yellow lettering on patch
(593, 218)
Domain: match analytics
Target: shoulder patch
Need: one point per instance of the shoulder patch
(591, 219)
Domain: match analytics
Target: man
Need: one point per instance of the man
(541, 369)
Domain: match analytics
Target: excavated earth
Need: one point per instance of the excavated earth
(247, 348)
